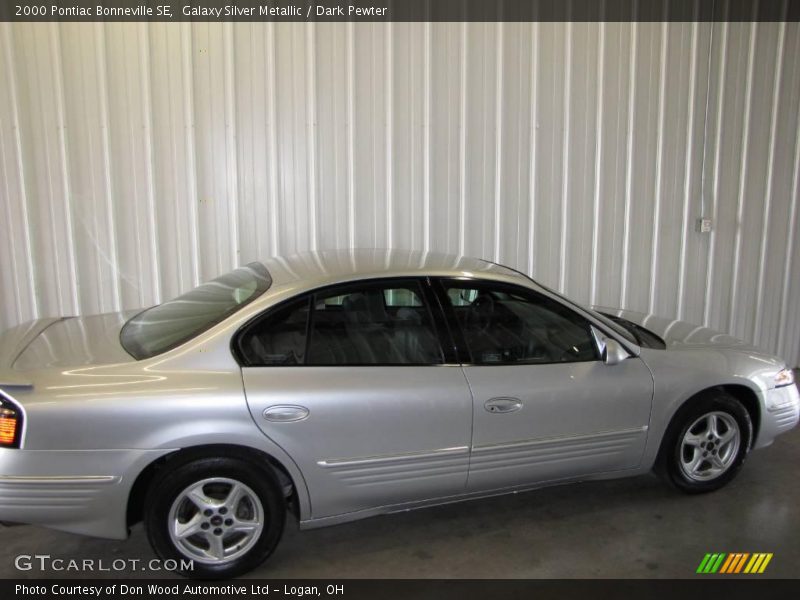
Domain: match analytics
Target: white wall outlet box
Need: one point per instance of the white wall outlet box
(703, 225)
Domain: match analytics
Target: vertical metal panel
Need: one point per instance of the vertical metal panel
(17, 255)
(780, 315)
(138, 159)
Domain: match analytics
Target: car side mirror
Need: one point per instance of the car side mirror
(614, 353)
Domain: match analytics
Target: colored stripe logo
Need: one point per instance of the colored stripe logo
(734, 563)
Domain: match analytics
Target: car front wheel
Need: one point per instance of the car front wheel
(225, 515)
(707, 444)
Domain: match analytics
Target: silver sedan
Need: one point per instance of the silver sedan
(344, 384)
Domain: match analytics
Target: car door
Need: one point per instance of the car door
(353, 383)
(546, 407)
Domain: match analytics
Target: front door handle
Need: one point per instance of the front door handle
(503, 405)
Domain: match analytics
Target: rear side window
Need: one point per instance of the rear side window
(280, 339)
(362, 324)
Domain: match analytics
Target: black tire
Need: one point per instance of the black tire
(674, 453)
(170, 484)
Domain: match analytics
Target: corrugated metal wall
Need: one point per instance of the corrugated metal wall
(139, 159)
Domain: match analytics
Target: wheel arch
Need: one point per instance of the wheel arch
(750, 401)
(744, 394)
(138, 492)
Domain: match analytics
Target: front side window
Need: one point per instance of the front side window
(509, 325)
(356, 324)
(177, 321)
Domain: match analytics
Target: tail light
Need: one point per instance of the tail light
(10, 425)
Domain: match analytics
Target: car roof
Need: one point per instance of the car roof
(314, 268)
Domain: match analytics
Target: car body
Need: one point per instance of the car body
(457, 402)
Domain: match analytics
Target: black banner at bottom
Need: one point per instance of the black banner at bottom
(384, 589)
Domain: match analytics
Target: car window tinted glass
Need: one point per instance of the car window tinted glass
(280, 339)
(172, 323)
(504, 325)
(461, 296)
(369, 324)
(643, 337)
(611, 324)
(400, 297)
(373, 325)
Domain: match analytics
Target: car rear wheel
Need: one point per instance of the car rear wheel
(707, 444)
(224, 514)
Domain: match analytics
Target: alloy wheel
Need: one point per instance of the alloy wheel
(215, 521)
(709, 446)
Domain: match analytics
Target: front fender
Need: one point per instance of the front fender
(681, 375)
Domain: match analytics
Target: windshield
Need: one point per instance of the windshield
(172, 323)
(613, 324)
(644, 337)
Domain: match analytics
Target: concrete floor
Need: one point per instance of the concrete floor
(624, 528)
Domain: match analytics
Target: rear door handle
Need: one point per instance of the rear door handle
(503, 405)
(285, 413)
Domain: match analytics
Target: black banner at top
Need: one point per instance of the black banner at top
(399, 10)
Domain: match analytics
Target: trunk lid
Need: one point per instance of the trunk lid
(60, 343)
